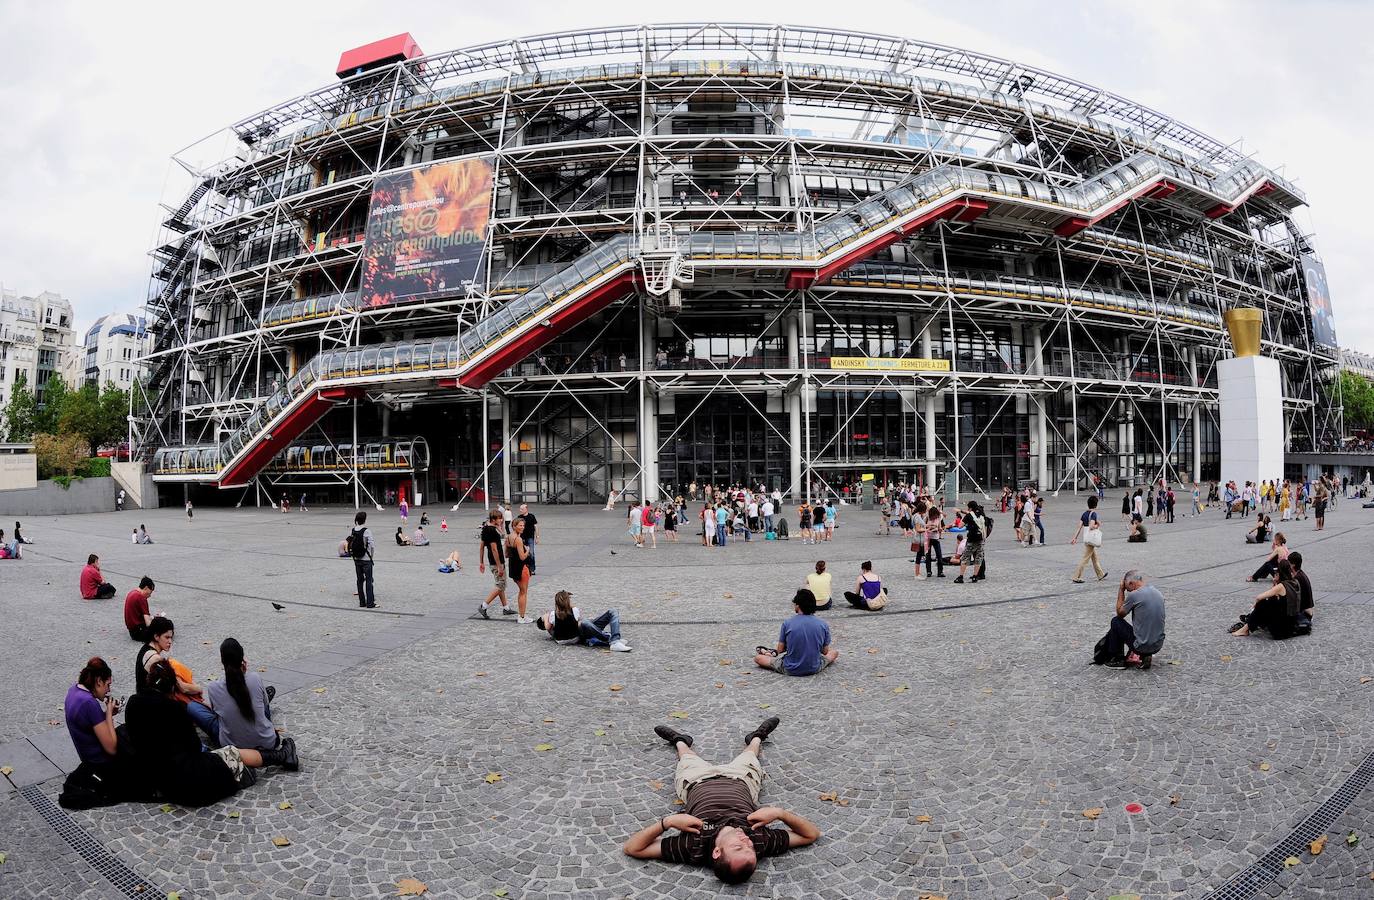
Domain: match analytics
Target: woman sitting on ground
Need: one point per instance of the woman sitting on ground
(11, 550)
(142, 536)
(451, 563)
(1278, 553)
(90, 712)
(19, 535)
(171, 757)
(818, 582)
(1139, 532)
(1260, 533)
(1276, 610)
(243, 702)
(159, 647)
(565, 625)
(868, 590)
(343, 548)
(401, 539)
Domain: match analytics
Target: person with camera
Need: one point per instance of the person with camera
(1135, 643)
(90, 711)
(723, 826)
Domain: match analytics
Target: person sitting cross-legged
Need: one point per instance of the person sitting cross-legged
(1137, 641)
(804, 642)
(723, 826)
(244, 704)
(1277, 609)
(93, 583)
(565, 625)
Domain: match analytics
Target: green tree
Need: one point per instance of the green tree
(58, 453)
(53, 406)
(1357, 401)
(21, 412)
(114, 416)
(80, 414)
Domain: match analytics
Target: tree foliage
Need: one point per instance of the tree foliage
(59, 453)
(1357, 401)
(21, 412)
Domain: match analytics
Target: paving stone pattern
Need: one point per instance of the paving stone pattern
(953, 703)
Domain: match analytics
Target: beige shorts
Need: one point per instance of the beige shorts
(692, 769)
(232, 759)
(499, 577)
(777, 664)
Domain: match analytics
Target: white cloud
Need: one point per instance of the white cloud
(98, 97)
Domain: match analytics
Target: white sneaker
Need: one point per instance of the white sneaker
(524, 620)
(620, 647)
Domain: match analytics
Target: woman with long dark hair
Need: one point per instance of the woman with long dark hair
(90, 712)
(243, 702)
(171, 756)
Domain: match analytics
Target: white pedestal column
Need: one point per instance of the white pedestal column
(1251, 399)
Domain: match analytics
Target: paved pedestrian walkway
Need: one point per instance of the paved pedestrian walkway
(962, 734)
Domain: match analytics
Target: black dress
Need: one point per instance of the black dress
(168, 754)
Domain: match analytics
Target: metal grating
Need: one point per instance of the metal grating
(1263, 871)
(91, 850)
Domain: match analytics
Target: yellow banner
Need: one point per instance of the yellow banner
(867, 476)
(878, 363)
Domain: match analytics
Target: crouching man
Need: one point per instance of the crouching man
(724, 827)
(1135, 643)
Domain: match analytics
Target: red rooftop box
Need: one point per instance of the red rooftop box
(378, 53)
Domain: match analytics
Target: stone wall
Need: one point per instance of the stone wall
(85, 495)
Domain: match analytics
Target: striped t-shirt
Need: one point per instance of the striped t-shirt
(718, 802)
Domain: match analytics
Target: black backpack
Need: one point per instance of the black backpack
(357, 543)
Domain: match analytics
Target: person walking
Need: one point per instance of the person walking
(361, 547)
(119, 501)
(490, 554)
(1090, 529)
(190, 511)
(517, 564)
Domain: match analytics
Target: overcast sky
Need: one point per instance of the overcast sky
(96, 97)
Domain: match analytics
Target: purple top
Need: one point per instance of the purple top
(84, 712)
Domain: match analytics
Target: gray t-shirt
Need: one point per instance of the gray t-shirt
(1145, 606)
(234, 729)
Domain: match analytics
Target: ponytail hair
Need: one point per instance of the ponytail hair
(162, 678)
(231, 654)
(96, 670)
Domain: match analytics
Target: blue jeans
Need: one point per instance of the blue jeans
(602, 631)
(767, 523)
(720, 535)
(207, 719)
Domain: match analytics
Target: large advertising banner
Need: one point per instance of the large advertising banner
(1319, 301)
(426, 231)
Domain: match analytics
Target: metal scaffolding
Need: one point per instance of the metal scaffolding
(707, 220)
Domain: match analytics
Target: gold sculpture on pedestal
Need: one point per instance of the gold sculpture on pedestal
(1244, 323)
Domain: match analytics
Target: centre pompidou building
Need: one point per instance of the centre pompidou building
(633, 258)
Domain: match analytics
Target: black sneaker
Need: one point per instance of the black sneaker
(507, 611)
(482, 610)
(1118, 662)
(959, 580)
(1102, 577)
(672, 735)
(765, 728)
(247, 779)
(1146, 660)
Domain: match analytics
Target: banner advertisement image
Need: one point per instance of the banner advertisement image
(1319, 301)
(891, 364)
(426, 231)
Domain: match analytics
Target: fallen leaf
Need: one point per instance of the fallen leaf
(764, 705)
(1226, 657)
(1175, 662)
(987, 690)
(174, 895)
(617, 687)
(930, 897)
(285, 804)
(262, 668)
(900, 690)
(677, 714)
(3, 857)
(728, 596)
(1352, 839)
(166, 807)
(830, 797)
(544, 748)
(1365, 679)
(6, 770)
(720, 684)
(656, 785)
(492, 777)
(1317, 846)
(1264, 767)
(233, 814)
(1174, 799)
(54, 721)
(1092, 813)
(872, 649)
(600, 732)
(1290, 862)
(439, 691)
(727, 662)
(500, 892)
(1124, 897)
(280, 841)
(923, 820)
(411, 887)
(548, 721)
(1042, 606)
(479, 674)
(319, 690)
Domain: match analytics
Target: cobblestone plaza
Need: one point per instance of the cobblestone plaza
(961, 737)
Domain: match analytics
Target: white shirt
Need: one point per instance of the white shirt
(768, 507)
(753, 509)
